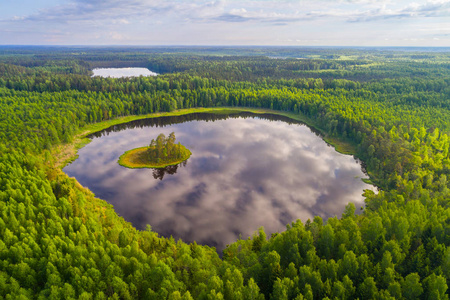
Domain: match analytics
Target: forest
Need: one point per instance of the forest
(390, 108)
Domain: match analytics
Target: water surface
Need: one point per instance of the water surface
(122, 72)
(244, 172)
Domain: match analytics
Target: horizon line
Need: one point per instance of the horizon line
(237, 45)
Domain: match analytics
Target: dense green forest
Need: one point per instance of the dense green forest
(391, 107)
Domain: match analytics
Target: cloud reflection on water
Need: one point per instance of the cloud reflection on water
(243, 174)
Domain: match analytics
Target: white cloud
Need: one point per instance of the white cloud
(232, 21)
(429, 9)
(257, 11)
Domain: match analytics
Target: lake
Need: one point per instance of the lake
(245, 171)
(122, 72)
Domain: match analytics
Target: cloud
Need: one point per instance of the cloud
(358, 11)
(223, 22)
(232, 18)
(429, 9)
(277, 12)
(84, 10)
(122, 21)
(285, 12)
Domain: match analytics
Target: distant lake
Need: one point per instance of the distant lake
(122, 72)
(246, 171)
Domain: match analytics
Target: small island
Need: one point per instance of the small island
(161, 153)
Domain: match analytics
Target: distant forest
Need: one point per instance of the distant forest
(391, 107)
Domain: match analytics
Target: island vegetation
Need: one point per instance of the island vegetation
(390, 108)
(161, 153)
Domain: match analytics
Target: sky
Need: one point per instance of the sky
(226, 22)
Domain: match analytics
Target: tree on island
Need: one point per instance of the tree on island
(165, 149)
(160, 153)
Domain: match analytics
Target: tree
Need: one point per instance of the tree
(160, 144)
(251, 291)
(411, 287)
(326, 242)
(349, 265)
(368, 289)
(435, 287)
(259, 240)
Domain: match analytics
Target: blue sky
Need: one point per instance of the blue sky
(226, 22)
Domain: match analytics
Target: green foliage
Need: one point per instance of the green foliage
(164, 151)
(59, 241)
(159, 154)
